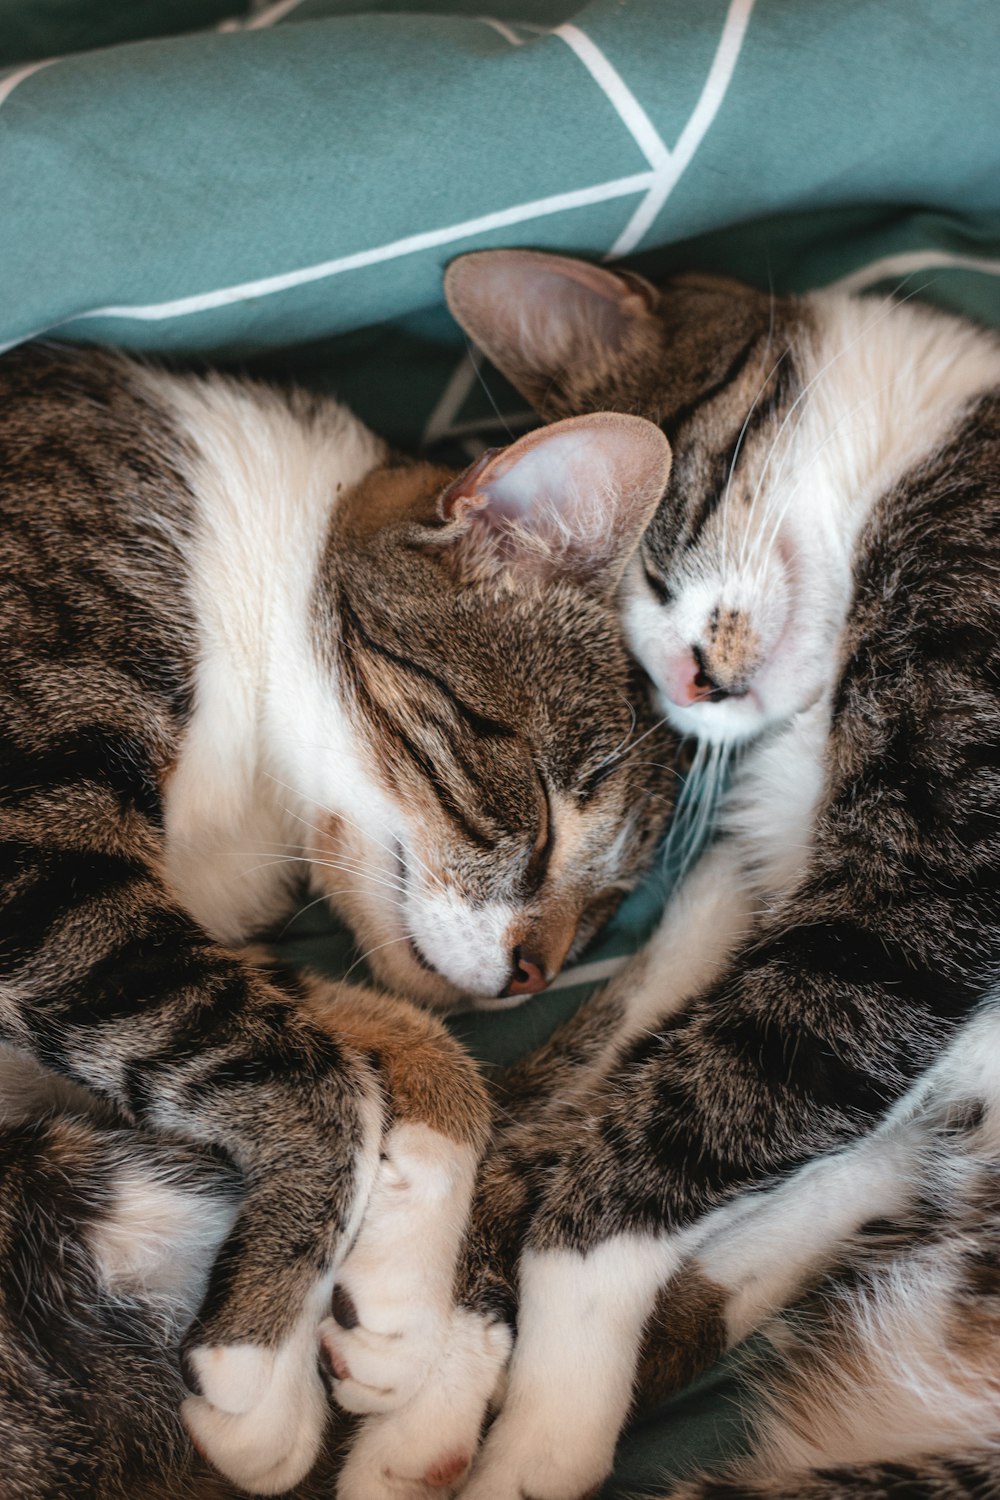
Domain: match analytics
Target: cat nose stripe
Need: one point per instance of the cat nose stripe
(528, 977)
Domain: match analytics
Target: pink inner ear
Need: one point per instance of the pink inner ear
(531, 311)
(543, 484)
(617, 287)
(570, 498)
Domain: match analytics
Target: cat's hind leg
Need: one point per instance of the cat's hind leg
(107, 1237)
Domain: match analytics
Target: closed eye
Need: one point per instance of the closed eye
(541, 852)
(657, 584)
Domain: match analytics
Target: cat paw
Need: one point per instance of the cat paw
(260, 1414)
(373, 1371)
(533, 1459)
(423, 1450)
(392, 1304)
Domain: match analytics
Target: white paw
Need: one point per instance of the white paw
(261, 1414)
(423, 1450)
(523, 1459)
(377, 1372)
(393, 1300)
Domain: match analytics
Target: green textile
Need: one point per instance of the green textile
(279, 188)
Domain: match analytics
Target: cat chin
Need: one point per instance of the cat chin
(734, 722)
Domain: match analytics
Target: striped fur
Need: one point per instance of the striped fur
(246, 648)
(822, 585)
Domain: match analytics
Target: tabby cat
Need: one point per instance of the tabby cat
(245, 644)
(800, 1075)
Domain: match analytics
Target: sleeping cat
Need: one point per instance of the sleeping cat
(243, 644)
(821, 586)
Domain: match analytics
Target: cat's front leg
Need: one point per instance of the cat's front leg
(555, 1093)
(112, 984)
(707, 1108)
(393, 1296)
(425, 1446)
(258, 1408)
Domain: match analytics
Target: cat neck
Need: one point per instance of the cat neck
(268, 745)
(884, 385)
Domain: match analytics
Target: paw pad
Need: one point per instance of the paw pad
(448, 1469)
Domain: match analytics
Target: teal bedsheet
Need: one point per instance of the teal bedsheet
(278, 188)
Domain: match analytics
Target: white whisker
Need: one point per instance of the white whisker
(363, 957)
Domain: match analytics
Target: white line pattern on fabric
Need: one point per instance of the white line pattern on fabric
(449, 403)
(271, 14)
(627, 106)
(505, 31)
(691, 137)
(10, 83)
(908, 261)
(620, 187)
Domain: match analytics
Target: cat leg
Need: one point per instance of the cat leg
(741, 1261)
(392, 1326)
(394, 1289)
(260, 1406)
(108, 981)
(967, 1475)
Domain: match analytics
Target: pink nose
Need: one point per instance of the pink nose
(686, 681)
(528, 976)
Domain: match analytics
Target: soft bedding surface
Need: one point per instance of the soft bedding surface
(279, 188)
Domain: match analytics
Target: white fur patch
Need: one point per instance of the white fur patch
(423, 1449)
(262, 1413)
(266, 716)
(159, 1238)
(581, 1320)
(400, 1273)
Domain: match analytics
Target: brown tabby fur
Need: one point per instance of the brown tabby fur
(107, 980)
(859, 976)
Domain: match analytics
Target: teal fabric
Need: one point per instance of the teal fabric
(279, 187)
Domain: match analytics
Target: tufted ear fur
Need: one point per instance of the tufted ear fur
(573, 498)
(541, 317)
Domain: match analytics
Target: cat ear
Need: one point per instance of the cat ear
(571, 498)
(539, 316)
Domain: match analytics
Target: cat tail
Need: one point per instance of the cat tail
(959, 1476)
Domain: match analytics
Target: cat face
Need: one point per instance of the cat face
(729, 603)
(473, 631)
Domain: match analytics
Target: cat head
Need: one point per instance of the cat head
(730, 601)
(510, 778)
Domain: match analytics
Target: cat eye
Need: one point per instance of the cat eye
(541, 852)
(656, 583)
